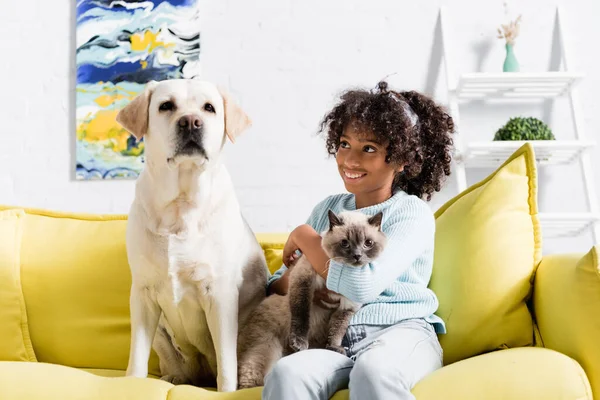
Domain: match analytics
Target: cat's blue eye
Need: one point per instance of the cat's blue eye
(345, 244)
(368, 243)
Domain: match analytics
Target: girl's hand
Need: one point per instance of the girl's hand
(323, 297)
(289, 258)
(289, 251)
(291, 246)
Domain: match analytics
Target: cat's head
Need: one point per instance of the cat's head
(354, 238)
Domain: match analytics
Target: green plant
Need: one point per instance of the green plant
(524, 128)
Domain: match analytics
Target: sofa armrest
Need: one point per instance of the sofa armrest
(566, 300)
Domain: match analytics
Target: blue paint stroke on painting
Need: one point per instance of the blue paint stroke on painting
(122, 45)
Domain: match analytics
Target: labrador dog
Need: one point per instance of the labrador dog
(197, 268)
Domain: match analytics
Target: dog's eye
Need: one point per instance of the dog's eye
(209, 107)
(167, 106)
(345, 244)
(368, 243)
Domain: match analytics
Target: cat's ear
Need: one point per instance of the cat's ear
(375, 220)
(334, 220)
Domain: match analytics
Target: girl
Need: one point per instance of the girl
(393, 150)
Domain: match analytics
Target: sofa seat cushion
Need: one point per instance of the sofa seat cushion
(186, 392)
(32, 381)
(525, 373)
(110, 373)
(43, 381)
(517, 374)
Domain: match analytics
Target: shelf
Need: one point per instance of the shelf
(515, 86)
(558, 225)
(491, 154)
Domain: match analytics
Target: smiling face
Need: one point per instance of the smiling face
(362, 166)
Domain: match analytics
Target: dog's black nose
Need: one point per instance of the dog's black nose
(190, 122)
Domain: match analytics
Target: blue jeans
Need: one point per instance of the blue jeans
(383, 362)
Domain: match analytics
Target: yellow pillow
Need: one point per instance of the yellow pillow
(76, 281)
(15, 344)
(272, 245)
(567, 307)
(488, 244)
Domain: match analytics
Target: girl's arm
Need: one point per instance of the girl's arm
(308, 241)
(278, 282)
(408, 234)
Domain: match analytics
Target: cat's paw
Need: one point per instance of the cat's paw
(174, 379)
(337, 349)
(298, 343)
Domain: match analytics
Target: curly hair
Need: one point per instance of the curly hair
(423, 146)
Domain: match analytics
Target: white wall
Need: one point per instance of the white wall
(285, 61)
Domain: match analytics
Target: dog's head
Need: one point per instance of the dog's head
(183, 120)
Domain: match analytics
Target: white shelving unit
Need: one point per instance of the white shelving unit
(515, 88)
(547, 152)
(557, 225)
(515, 85)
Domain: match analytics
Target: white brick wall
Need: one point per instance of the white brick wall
(285, 61)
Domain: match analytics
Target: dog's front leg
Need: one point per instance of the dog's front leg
(222, 318)
(145, 314)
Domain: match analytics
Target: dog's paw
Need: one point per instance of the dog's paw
(298, 343)
(226, 385)
(174, 379)
(337, 349)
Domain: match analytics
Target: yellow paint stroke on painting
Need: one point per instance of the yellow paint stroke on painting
(110, 88)
(103, 127)
(131, 93)
(147, 41)
(144, 64)
(107, 100)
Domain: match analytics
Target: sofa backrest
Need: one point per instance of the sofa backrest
(75, 280)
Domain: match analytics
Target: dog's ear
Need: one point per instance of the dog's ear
(236, 120)
(134, 116)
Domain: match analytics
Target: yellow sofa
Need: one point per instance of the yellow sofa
(520, 325)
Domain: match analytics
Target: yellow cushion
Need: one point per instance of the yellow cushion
(15, 344)
(272, 245)
(567, 307)
(184, 392)
(515, 374)
(33, 381)
(487, 246)
(76, 281)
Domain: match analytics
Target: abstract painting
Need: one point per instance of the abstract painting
(122, 45)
